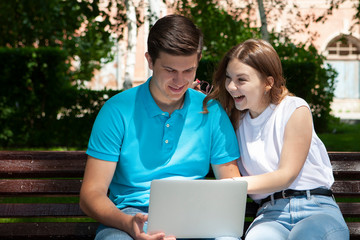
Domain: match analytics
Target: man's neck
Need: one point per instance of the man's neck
(170, 107)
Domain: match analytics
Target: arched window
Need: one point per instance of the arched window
(343, 54)
(343, 48)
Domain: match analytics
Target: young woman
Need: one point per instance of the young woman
(284, 162)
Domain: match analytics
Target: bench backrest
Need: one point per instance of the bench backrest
(39, 188)
(43, 188)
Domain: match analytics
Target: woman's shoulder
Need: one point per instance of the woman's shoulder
(288, 106)
(293, 102)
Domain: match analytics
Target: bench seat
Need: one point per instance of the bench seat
(39, 193)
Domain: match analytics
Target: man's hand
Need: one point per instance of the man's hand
(138, 222)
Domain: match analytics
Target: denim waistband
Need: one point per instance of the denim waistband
(293, 193)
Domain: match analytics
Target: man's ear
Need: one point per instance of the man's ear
(149, 60)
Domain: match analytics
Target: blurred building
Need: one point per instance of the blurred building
(337, 38)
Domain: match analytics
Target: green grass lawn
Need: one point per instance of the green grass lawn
(343, 137)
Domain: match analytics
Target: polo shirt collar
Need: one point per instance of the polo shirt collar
(152, 108)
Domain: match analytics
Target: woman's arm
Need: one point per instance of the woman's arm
(297, 140)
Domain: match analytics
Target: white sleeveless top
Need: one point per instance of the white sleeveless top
(261, 140)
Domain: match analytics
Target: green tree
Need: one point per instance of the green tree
(304, 67)
(221, 27)
(82, 28)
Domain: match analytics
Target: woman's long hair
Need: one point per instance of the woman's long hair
(259, 55)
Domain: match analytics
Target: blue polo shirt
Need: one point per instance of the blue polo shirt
(148, 144)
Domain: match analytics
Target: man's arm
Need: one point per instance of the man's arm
(226, 170)
(96, 204)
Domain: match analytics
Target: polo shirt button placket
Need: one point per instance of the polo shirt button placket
(166, 136)
(167, 125)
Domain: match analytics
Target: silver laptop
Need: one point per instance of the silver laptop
(197, 208)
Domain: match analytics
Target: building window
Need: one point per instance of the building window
(343, 48)
(343, 54)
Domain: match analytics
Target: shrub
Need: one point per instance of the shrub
(33, 82)
(39, 106)
(309, 78)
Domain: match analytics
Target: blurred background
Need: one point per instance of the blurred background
(62, 59)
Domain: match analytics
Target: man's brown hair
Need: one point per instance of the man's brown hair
(175, 35)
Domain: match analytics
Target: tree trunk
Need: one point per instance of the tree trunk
(264, 31)
(154, 8)
(131, 47)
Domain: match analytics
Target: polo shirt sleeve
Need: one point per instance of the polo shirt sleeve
(224, 145)
(107, 133)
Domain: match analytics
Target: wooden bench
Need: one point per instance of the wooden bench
(39, 193)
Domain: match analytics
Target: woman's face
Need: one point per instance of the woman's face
(247, 88)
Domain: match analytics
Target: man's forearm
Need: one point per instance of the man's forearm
(103, 210)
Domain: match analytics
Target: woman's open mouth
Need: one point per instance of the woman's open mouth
(239, 98)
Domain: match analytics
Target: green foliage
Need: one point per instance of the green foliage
(75, 119)
(309, 78)
(27, 75)
(221, 28)
(81, 28)
(39, 107)
(5, 114)
(304, 68)
(206, 69)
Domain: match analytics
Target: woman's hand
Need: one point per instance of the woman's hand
(196, 85)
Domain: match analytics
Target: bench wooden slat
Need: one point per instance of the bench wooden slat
(39, 186)
(43, 155)
(17, 210)
(346, 170)
(354, 228)
(350, 209)
(41, 164)
(346, 188)
(41, 168)
(346, 166)
(73, 209)
(75, 230)
(344, 156)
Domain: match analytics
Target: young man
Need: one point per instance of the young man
(155, 131)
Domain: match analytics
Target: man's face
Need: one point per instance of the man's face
(172, 76)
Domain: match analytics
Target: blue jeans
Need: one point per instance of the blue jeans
(317, 217)
(109, 233)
